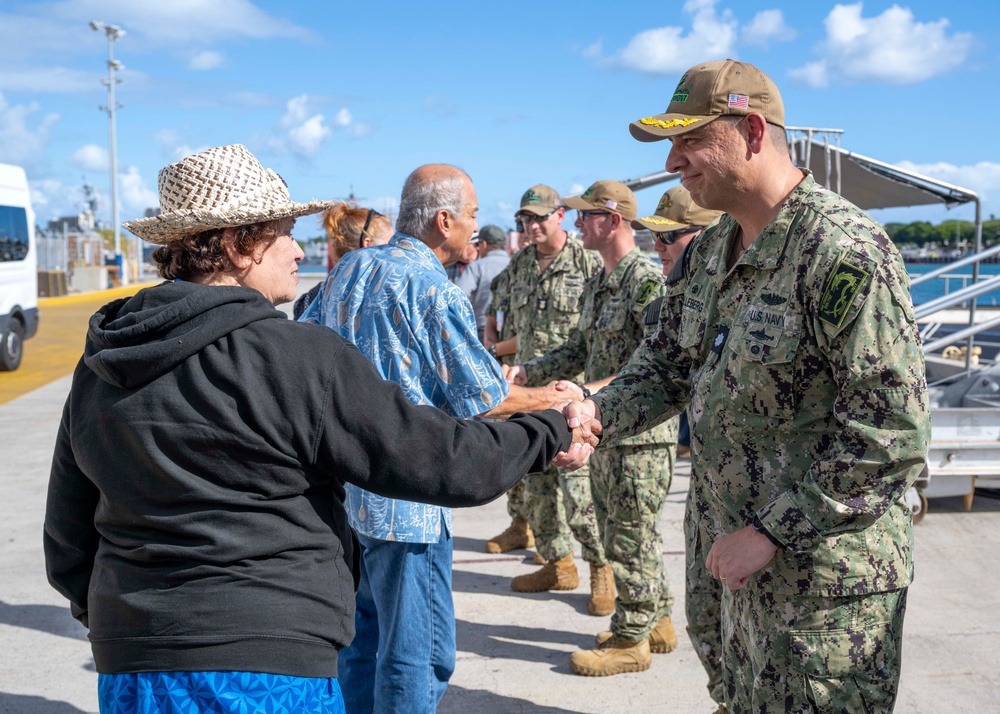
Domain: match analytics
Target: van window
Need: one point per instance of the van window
(13, 233)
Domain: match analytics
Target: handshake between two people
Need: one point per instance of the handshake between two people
(582, 417)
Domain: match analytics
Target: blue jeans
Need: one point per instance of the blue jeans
(403, 653)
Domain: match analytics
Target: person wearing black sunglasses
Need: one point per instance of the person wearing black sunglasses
(675, 223)
(629, 478)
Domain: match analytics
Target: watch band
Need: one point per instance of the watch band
(759, 527)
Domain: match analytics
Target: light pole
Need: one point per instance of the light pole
(113, 33)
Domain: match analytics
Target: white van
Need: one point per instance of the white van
(18, 267)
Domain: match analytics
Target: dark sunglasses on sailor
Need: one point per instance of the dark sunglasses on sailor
(582, 215)
(527, 218)
(368, 222)
(668, 237)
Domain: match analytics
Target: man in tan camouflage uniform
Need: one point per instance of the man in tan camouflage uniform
(500, 340)
(544, 283)
(789, 328)
(678, 220)
(630, 477)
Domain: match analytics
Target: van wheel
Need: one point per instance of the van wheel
(12, 346)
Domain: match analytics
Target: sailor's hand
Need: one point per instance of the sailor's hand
(738, 555)
(577, 456)
(568, 389)
(517, 375)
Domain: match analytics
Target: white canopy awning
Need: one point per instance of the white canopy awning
(865, 182)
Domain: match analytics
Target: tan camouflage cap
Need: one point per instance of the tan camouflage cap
(540, 200)
(709, 91)
(607, 196)
(676, 211)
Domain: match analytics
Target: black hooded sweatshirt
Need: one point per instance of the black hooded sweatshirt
(195, 514)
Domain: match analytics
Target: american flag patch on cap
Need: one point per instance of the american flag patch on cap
(611, 204)
(739, 101)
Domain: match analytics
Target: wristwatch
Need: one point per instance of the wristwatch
(586, 392)
(759, 527)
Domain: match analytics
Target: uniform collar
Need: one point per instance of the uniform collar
(767, 249)
(615, 277)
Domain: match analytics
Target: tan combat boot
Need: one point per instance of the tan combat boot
(616, 656)
(662, 639)
(556, 575)
(517, 535)
(602, 590)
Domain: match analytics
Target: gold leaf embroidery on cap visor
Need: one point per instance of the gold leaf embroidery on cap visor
(653, 121)
(660, 221)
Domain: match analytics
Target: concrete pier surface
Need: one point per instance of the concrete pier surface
(513, 648)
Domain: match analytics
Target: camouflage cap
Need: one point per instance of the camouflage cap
(675, 211)
(540, 200)
(709, 91)
(607, 196)
(490, 235)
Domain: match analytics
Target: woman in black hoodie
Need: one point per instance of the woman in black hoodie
(194, 517)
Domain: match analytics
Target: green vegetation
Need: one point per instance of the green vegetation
(946, 234)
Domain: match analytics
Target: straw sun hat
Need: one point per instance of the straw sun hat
(218, 188)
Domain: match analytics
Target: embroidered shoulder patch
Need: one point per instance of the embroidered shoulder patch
(646, 292)
(843, 286)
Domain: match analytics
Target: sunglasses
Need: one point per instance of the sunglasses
(668, 237)
(582, 215)
(368, 222)
(527, 218)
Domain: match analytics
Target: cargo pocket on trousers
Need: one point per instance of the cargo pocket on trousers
(846, 670)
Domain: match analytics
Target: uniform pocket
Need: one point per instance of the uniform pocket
(847, 670)
(765, 370)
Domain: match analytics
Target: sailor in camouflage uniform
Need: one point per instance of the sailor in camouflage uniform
(789, 328)
(544, 283)
(630, 477)
(677, 221)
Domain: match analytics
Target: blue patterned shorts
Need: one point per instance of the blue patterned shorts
(218, 693)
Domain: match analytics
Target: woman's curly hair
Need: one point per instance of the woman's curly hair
(204, 253)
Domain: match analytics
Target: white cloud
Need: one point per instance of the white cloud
(90, 157)
(767, 26)
(594, 49)
(43, 42)
(21, 143)
(667, 50)
(206, 60)
(575, 190)
(173, 147)
(136, 196)
(303, 132)
(891, 48)
(185, 22)
(982, 177)
(343, 118)
(48, 79)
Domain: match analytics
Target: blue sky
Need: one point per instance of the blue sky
(352, 96)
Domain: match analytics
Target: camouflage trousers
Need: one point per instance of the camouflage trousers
(630, 486)
(702, 592)
(517, 502)
(559, 507)
(809, 654)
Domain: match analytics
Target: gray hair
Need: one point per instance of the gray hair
(423, 196)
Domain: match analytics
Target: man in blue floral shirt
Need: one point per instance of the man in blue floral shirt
(396, 304)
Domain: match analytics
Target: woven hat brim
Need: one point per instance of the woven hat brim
(173, 225)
